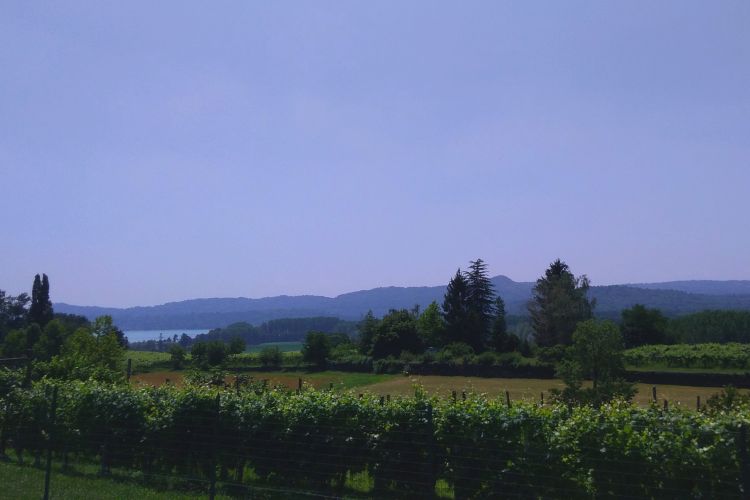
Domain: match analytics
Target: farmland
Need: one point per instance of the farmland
(441, 386)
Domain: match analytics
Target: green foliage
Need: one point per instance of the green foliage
(209, 354)
(480, 303)
(722, 356)
(88, 354)
(13, 312)
(40, 311)
(236, 345)
(367, 330)
(177, 355)
(455, 308)
(396, 332)
(270, 357)
(431, 326)
(641, 325)
(710, 326)
(455, 351)
(596, 355)
(559, 303)
(314, 440)
(317, 348)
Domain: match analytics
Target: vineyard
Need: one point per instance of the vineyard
(274, 439)
(724, 356)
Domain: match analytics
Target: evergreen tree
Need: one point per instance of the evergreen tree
(455, 310)
(499, 327)
(367, 330)
(559, 303)
(480, 303)
(40, 311)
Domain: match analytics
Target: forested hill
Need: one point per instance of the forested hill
(673, 298)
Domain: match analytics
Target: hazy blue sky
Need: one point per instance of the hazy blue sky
(152, 152)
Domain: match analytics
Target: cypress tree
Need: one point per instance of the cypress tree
(40, 311)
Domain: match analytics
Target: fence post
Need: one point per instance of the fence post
(542, 397)
(453, 393)
(666, 405)
(212, 484)
(698, 403)
(130, 368)
(299, 385)
(744, 472)
(507, 398)
(653, 393)
(50, 434)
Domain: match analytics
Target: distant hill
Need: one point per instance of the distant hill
(674, 298)
(705, 287)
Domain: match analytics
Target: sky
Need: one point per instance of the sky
(160, 151)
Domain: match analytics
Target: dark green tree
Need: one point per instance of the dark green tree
(480, 304)
(367, 329)
(177, 356)
(455, 309)
(641, 325)
(40, 311)
(431, 326)
(236, 346)
(396, 333)
(13, 313)
(271, 357)
(316, 349)
(596, 355)
(501, 340)
(559, 303)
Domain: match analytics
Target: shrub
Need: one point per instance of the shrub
(270, 357)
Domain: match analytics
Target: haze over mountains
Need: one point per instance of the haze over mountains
(673, 298)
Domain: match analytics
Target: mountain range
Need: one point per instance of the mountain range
(673, 298)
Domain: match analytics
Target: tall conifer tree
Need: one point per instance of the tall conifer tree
(40, 311)
(559, 303)
(455, 309)
(480, 303)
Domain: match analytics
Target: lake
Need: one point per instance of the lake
(141, 335)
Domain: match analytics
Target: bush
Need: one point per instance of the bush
(456, 351)
(271, 357)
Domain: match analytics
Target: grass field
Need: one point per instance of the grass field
(519, 388)
(26, 482)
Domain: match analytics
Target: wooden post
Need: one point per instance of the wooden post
(653, 393)
(666, 405)
(388, 397)
(455, 398)
(130, 368)
(698, 403)
(50, 433)
(507, 398)
(299, 385)
(463, 395)
(742, 456)
(542, 397)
